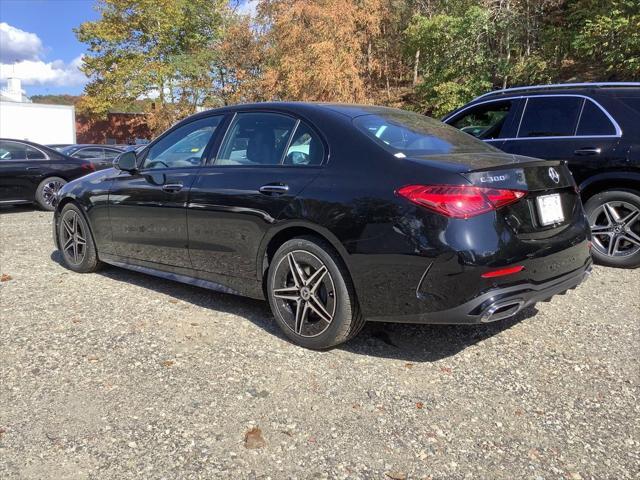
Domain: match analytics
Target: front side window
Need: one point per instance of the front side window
(485, 121)
(12, 151)
(256, 139)
(184, 146)
(406, 133)
(550, 117)
(593, 121)
(110, 154)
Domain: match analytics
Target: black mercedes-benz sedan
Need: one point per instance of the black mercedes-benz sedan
(33, 173)
(336, 214)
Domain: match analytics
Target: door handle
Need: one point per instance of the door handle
(32, 168)
(274, 188)
(172, 187)
(588, 151)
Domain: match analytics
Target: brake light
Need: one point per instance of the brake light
(502, 272)
(459, 201)
(88, 167)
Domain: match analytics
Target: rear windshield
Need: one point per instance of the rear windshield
(406, 133)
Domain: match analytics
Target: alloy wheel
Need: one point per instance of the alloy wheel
(74, 243)
(615, 228)
(304, 293)
(50, 191)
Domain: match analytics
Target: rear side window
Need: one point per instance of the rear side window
(594, 121)
(550, 117)
(484, 121)
(256, 139)
(12, 151)
(305, 148)
(109, 154)
(406, 133)
(34, 153)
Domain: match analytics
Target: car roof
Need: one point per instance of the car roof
(346, 109)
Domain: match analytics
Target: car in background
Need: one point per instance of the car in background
(33, 173)
(101, 155)
(595, 128)
(58, 146)
(335, 214)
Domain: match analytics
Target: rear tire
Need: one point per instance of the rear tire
(46, 192)
(614, 217)
(311, 294)
(76, 241)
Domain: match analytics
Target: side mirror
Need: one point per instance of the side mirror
(126, 161)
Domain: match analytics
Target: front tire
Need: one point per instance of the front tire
(614, 217)
(76, 241)
(47, 191)
(311, 294)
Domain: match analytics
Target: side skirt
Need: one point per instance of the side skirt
(182, 278)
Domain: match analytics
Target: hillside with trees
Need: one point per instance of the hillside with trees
(175, 56)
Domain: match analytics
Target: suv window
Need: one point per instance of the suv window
(12, 151)
(184, 146)
(485, 121)
(109, 154)
(593, 121)
(550, 117)
(256, 139)
(305, 147)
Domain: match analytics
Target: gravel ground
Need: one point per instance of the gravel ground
(118, 375)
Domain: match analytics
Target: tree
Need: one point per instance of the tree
(161, 49)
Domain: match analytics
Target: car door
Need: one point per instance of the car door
(147, 208)
(266, 159)
(492, 121)
(22, 167)
(567, 127)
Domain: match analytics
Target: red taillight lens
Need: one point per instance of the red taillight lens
(88, 167)
(502, 272)
(460, 201)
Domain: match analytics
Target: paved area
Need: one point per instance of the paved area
(117, 375)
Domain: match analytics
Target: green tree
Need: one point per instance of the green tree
(162, 49)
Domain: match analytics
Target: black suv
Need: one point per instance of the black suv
(595, 127)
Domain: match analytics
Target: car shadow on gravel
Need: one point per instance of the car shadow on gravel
(411, 343)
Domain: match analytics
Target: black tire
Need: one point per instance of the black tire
(331, 289)
(81, 257)
(621, 225)
(45, 193)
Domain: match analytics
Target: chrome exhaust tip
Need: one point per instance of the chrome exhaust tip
(501, 310)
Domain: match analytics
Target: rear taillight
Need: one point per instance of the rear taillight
(88, 167)
(460, 201)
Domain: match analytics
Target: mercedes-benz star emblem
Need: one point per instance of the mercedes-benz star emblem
(554, 175)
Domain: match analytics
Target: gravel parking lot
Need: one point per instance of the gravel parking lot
(120, 375)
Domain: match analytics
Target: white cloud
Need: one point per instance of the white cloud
(21, 57)
(38, 72)
(17, 45)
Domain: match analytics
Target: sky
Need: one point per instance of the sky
(37, 43)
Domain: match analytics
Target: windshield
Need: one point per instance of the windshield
(406, 133)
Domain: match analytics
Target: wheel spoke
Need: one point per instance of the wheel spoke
(315, 280)
(68, 228)
(68, 243)
(613, 246)
(631, 218)
(316, 305)
(302, 312)
(287, 293)
(631, 237)
(602, 230)
(611, 213)
(296, 271)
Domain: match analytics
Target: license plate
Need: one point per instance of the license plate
(550, 209)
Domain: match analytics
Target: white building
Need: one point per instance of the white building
(23, 120)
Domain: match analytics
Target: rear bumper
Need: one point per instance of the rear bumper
(498, 303)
